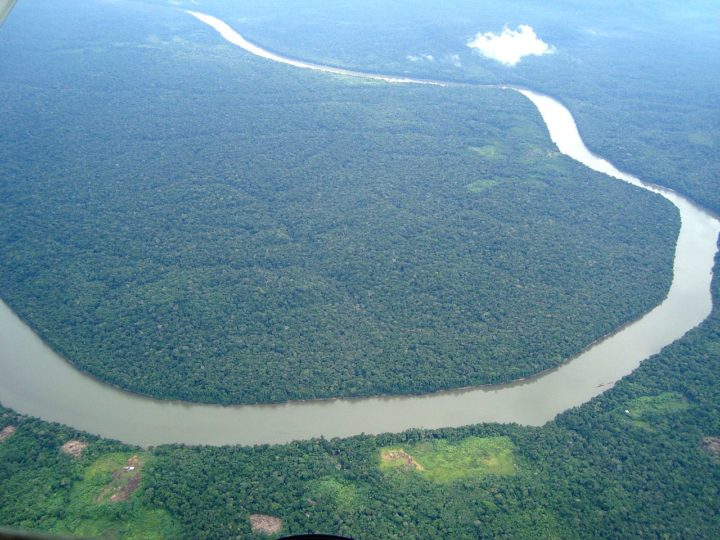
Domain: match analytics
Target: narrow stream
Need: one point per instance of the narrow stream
(35, 380)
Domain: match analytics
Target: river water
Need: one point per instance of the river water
(35, 380)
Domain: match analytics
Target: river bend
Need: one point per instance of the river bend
(35, 380)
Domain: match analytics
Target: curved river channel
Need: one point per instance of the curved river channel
(35, 380)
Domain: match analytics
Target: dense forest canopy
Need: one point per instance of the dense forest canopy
(190, 222)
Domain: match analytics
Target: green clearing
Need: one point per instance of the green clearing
(489, 151)
(98, 476)
(481, 185)
(702, 138)
(647, 411)
(442, 461)
(91, 512)
(342, 494)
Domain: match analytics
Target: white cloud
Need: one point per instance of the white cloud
(454, 59)
(418, 58)
(510, 46)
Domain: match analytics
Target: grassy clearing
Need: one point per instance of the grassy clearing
(99, 477)
(647, 411)
(441, 461)
(489, 151)
(123, 482)
(100, 504)
(343, 495)
(481, 185)
(702, 138)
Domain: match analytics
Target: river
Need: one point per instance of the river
(35, 380)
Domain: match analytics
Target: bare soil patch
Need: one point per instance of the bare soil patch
(402, 457)
(262, 523)
(712, 446)
(74, 448)
(7, 432)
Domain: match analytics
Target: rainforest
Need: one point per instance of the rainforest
(186, 221)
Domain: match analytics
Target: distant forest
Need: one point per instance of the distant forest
(639, 77)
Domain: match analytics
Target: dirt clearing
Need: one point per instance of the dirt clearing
(261, 523)
(6, 432)
(400, 456)
(712, 446)
(74, 448)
